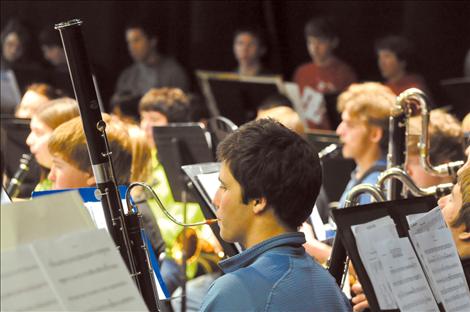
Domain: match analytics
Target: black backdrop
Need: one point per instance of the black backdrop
(199, 33)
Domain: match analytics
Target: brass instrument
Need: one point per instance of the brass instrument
(399, 174)
(414, 95)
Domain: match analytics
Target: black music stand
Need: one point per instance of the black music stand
(457, 93)
(345, 242)
(237, 97)
(205, 201)
(13, 145)
(181, 144)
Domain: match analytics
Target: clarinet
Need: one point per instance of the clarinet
(124, 228)
(13, 187)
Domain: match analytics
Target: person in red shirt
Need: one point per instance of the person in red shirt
(326, 73)
(394, 55)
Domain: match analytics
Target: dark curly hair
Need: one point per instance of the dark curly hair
(269, 160)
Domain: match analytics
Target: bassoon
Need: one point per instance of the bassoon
(123, 228)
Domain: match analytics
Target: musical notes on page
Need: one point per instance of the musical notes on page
(80, 271)
(368, 235)
(407, 280)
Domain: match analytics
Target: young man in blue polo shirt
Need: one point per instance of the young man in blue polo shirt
(270, 178)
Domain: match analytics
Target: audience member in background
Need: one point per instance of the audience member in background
(71, 167)
(249, 48)
(446, 144)
(395, 59)
(16, 44)
(35, 96)
(53, 52)
(160, 107)
(51, 115)
(149, 70)
(17, 54)
(326, 73)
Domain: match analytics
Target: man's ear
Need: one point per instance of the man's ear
(259, 205)
(465, 236)
(91, 181)
(375, 134)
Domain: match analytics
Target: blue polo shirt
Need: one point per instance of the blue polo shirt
(275, 275)
(371, 178)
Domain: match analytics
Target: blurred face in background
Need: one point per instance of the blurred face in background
(353, 134)
(389, 64)
(247, 49)
(54, 54)
(321, 49)
(150, 119)
(140, 46)
(12, 47)
(37, 142)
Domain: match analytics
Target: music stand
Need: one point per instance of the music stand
(13, 145)
(237, 97)
(345, 242)
(181, 144)
(205, 201)
(457, 92)
(219, 127)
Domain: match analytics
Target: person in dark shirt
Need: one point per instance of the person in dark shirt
(149, 70)
(249, 48)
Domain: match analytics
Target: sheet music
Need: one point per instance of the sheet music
(80, 271)
(402, 269)
(293, 93)
(422, 223)
(368, 235)
(442, 260)
(210, 182)
(25, 221)
(4, 197)
(317, 223)
(312, 106)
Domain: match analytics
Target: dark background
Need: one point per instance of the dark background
(199, 33)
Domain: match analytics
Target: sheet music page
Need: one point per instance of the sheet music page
(312, 106)
(88, 273)
(413, 217)
(82, 271)
(4, 197)
(368, 235)
(293, 93)
(442, 259)
(210, 182)
(318, 226)
(24, 287)
(25, 221)
(402, 269)
(422, 223)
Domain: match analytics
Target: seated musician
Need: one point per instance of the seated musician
(159, 107)
(36, 95)
(363, 132)
(71, 167)
(49, 116)
(446, 144)
(270, 178)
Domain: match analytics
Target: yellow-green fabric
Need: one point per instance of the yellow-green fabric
(170, 230)
(43, 185)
